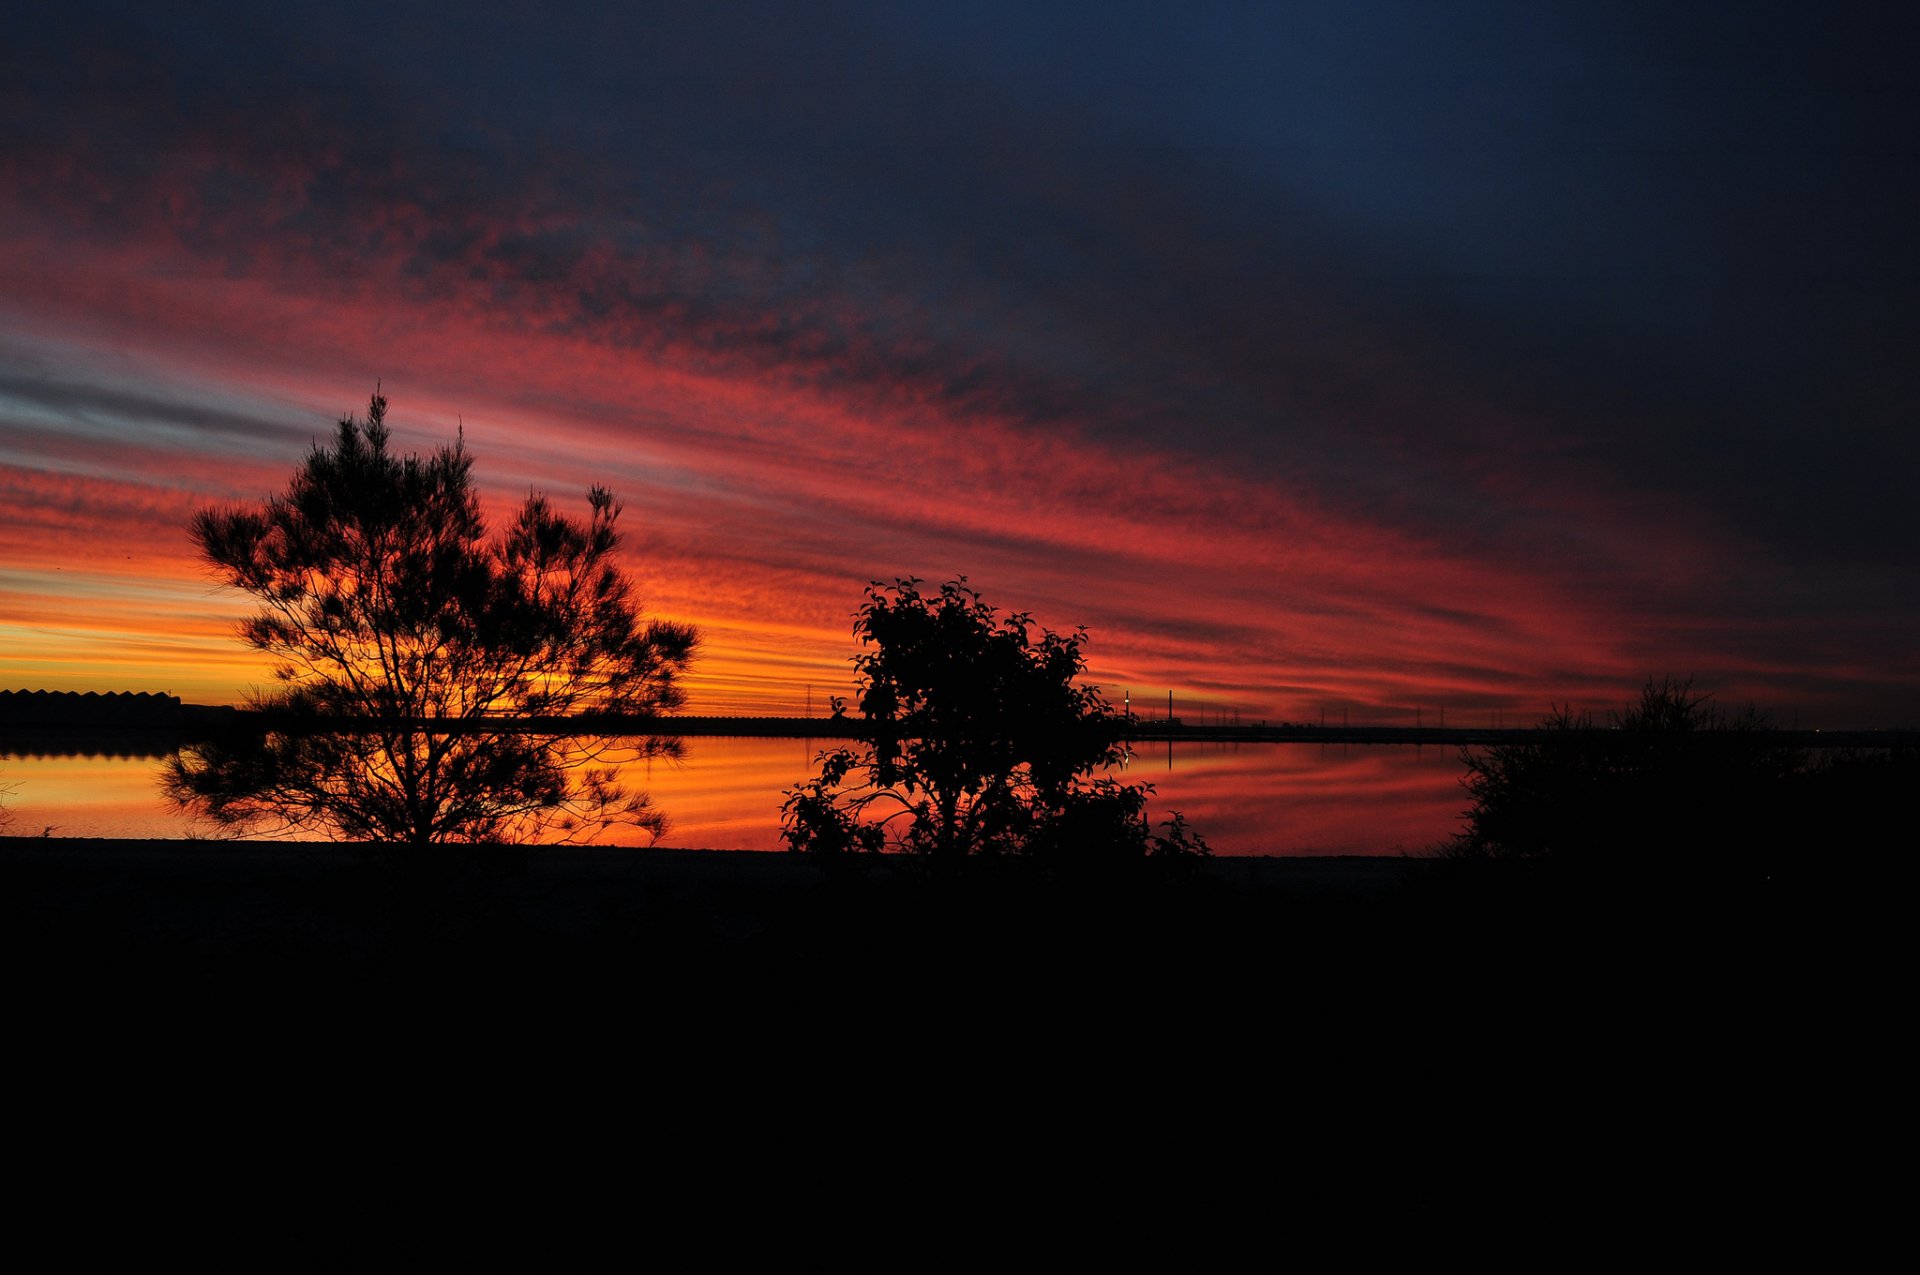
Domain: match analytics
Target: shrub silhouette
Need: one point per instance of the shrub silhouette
(1670, 774)
(982, 743)
(407, 642)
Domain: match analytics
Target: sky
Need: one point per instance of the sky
(1371, 359)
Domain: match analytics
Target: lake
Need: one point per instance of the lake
(1245, 799)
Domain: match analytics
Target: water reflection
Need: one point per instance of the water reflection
(725, 794)
(82, 796)
(1308, 798)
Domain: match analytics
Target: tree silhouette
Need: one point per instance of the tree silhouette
(981, 742)
(407, 642)
(1670, 774)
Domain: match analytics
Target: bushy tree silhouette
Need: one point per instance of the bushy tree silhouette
(1670, 774)
(981, 742)
(406, 643)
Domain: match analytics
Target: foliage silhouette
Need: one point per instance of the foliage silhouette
(981, 743)
(407, 642)
(1670, 774)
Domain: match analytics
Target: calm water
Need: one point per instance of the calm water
(1244, 798)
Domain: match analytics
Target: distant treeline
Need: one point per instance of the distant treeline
(43, 712)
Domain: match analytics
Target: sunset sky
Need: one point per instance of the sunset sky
(1350, 358)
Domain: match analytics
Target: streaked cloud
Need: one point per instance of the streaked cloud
(1306, 358)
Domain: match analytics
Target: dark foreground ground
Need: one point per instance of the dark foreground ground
(654, 926)
(292, 1049)
(244, 910)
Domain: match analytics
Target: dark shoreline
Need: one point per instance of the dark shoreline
(227, 909)
(154, 731)
(1434, 1001)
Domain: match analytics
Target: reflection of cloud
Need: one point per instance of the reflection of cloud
(725, 795)
(1284, 799)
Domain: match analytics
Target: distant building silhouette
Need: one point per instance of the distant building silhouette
(41, 710)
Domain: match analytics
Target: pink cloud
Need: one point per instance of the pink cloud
(777, 446)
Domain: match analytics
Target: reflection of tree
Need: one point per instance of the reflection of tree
(408, 644)
(982, 742)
